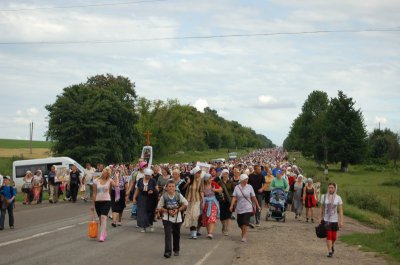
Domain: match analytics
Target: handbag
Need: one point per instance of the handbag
(320, 230)
(93, 226)
(247, 199)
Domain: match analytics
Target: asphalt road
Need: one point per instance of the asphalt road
(57, 234)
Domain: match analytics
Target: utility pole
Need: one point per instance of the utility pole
(30, 135)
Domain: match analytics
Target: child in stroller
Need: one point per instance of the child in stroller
(277, 206)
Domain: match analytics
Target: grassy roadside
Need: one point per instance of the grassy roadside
(371, 196)
(16, 144)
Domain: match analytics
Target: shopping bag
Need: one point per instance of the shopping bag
(93, 226)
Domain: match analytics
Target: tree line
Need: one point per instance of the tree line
(103, 120)
(333, 130)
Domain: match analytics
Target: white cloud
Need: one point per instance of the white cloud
(201, 104)
(21, 121)
(381, 120)
(270, 102)
(32, 111)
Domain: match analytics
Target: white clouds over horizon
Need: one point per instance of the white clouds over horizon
(260, 82)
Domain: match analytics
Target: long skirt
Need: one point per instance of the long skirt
(145, 210)
(225, 212)
(192, 214)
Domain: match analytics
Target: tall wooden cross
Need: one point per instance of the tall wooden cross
(147, 138)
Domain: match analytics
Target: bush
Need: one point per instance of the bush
(395, 183)
(368, 201)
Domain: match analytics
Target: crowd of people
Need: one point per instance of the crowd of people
(190, 195)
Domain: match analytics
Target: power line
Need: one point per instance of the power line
(397, 29)
(82, 6)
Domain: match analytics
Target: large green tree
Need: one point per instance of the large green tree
(346, 132)
(95, 121)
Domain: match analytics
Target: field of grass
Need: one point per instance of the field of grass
(375, 201)
(15, 144)
(5, 166)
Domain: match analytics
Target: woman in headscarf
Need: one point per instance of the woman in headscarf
(211, 210)
(225, 201)
(195, 197)
(309, 199)
(143, 197)
(297, 189)
(331, 213)
(245, 197)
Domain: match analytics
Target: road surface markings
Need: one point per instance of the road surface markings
(35, 236)
(201, 262)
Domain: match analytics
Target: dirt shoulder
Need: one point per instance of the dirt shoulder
(295, 243)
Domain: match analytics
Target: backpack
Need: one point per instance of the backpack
(177, 198)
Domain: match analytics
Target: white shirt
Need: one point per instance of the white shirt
(333, 216)
(166, 217)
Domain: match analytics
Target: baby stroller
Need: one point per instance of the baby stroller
(277, 204)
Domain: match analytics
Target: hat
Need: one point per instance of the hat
(309, 180)
(225, 171)
(243, 177)
(207, 176)
(279, 171)
(218, 169)
(195, 170)
(148, 172)
(7, 177)
(142, 164)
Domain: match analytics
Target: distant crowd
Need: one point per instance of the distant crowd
(195, 195)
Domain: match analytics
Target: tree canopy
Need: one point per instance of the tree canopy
(329, 130)
(102, 120)
(95, 121)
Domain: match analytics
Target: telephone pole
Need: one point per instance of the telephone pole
(30, 135)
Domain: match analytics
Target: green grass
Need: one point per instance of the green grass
(6, 166)
(198, 156)
(386, 242)
(8, 143)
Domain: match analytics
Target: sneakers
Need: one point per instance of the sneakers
(244, 240)
(167, 255)
(151, 229)
(330, 255)
(176, 253)
(143, 230)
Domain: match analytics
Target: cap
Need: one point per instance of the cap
(142, 164)
(243, 177)
(148, 172)
(207, 176)
(195, 170)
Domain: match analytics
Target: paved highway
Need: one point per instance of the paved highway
(57, 234)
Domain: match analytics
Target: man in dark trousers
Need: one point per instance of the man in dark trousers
(257, 181)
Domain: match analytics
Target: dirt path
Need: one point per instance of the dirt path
(295, 243)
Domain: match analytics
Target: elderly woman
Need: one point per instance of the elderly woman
(297, 189)
(211, 209)
(143, 197)
(102, 199)
(309, 199)
(245, 197)
(37, 186)
(27, 187)
(226, 199)
(279, 182)
(195, 197)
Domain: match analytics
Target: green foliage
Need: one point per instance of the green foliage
(175, 127)
(8, 143)
(6, 166)
(394, 183)
(386, 242)
(95, 121)
(329, 131)
(368, 201)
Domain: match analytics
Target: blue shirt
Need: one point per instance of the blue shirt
(8, 192)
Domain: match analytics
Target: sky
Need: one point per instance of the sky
(259, 81)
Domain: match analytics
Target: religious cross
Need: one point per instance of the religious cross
(147, 138)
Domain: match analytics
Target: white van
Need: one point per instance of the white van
(44, 164)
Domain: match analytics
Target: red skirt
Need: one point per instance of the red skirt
(310, 201)
(213, 216)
